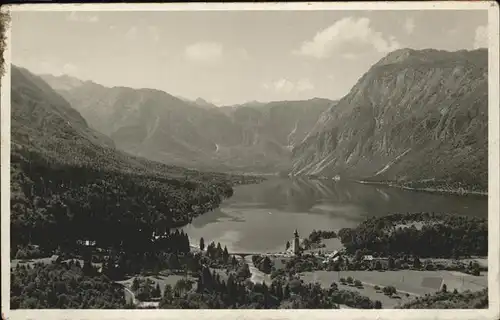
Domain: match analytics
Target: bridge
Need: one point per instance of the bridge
(244, 254)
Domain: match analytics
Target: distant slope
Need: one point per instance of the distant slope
(161, 127)
(415, 115)
(39, 113)
(69, 183)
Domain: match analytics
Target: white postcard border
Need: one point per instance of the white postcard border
(493, 193)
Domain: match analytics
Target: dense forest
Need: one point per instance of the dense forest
(450, 300)
(313, 241)
(63, 286)
(420, 234)
(60, 204)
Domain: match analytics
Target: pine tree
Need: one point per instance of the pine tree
(231, 290)
(202, 244)
(207, 279)
(444, 288)
(390, 263)
(266, 265)
(225, 255)
(135, 284)
(279, 291)
(416, 262)
(157, 291)
(187, 245)
(286, 292)
(219, 250)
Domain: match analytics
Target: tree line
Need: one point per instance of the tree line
(445, 299)
(314, 239)
(212, 292)
(419, 234)
(61, 286)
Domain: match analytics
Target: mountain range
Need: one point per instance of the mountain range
(161, 127)
(416, 116)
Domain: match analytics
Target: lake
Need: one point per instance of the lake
(262, 217)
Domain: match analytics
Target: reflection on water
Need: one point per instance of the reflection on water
(262, 217)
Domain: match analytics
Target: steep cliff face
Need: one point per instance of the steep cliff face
(414, 115)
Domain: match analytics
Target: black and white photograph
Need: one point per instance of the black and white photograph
(250, 157)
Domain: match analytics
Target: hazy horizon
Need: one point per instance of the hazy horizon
(233, 57)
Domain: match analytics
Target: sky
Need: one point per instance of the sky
(231, 57)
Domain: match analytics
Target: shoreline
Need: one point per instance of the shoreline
(458, 192)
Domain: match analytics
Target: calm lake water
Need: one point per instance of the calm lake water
(262, 217)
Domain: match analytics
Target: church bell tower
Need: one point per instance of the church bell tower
(296, 244)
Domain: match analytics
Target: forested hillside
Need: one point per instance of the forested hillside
(69, 183)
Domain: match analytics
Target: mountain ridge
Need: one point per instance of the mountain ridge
(413, 116)
(161, 127)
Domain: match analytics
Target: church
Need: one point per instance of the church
(296, 243)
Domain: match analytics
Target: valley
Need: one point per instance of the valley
(157, 201)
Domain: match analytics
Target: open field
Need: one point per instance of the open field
(368, 291)
(413, 282)
(31, 262)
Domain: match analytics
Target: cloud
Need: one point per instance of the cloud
(286, 86)
(347, 36)
(350, 56)
(304, 85)
(204, 51)
(283, 85)
(82, 17)
(409, 25)
(70, 69)
(481, 37)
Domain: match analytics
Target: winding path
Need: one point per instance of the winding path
(257, 275)
(129, 296)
